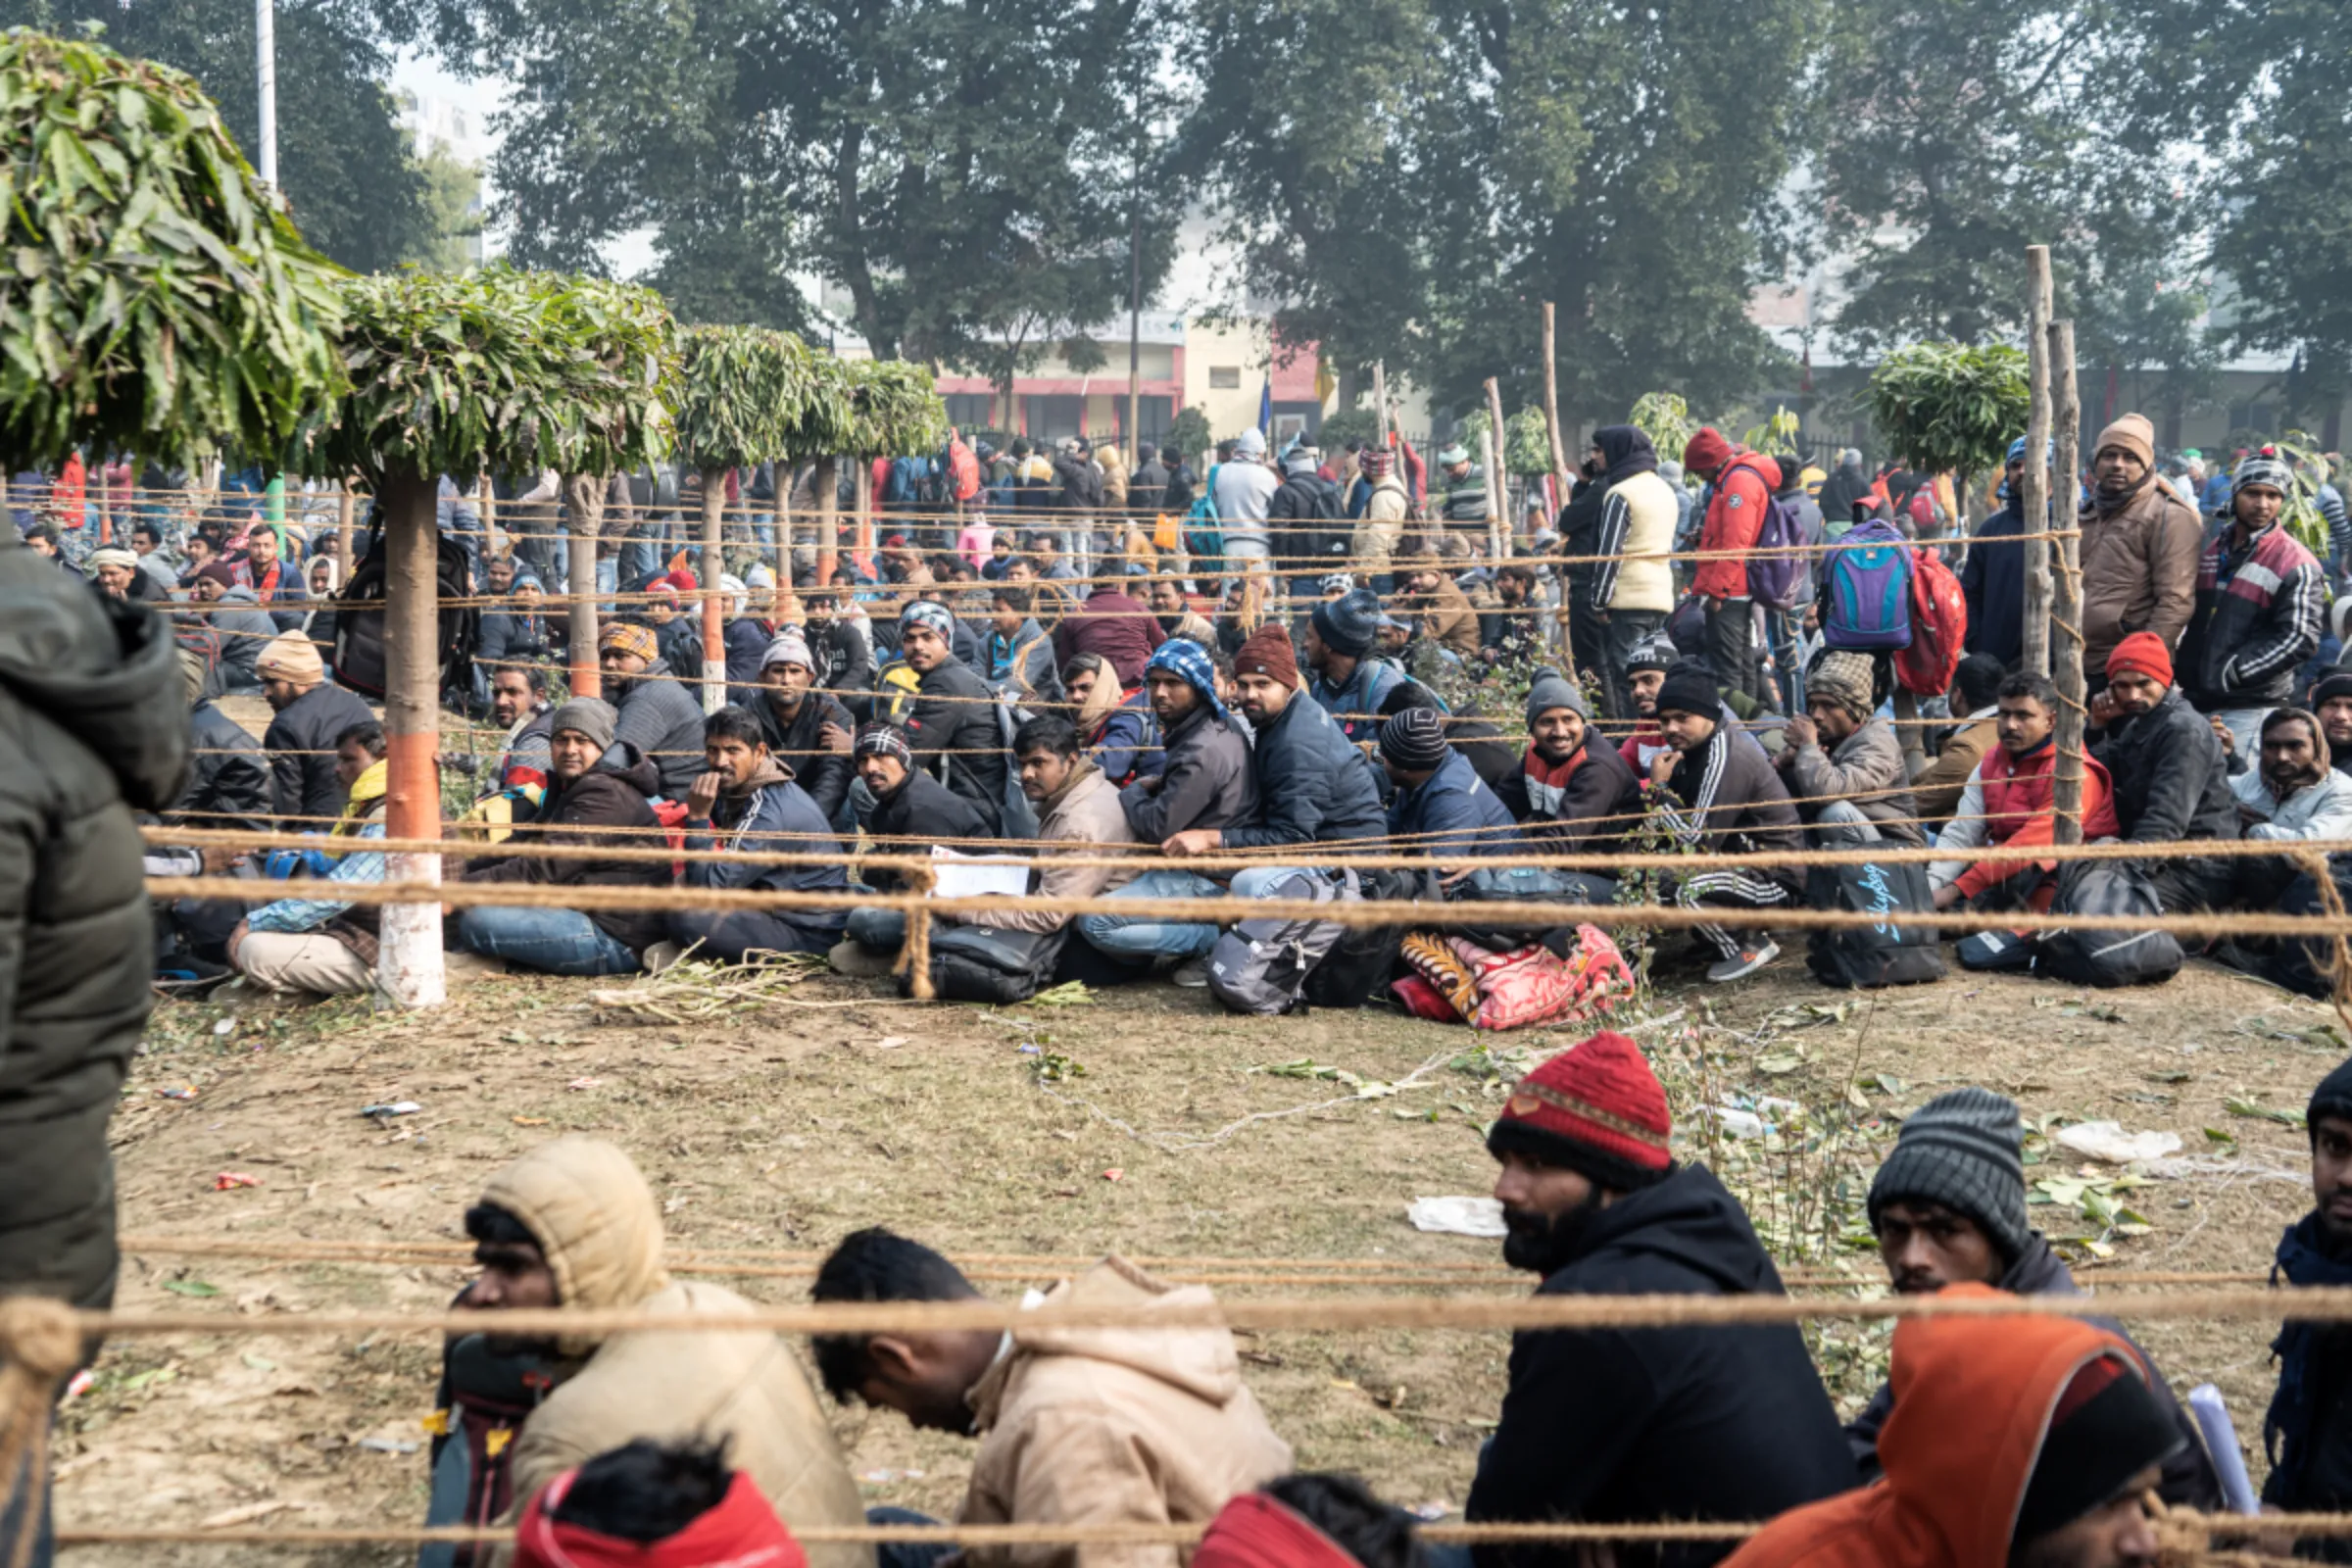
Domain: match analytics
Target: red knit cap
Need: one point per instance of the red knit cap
(1595, 1108)
(1268, 651)
(1706, 450)
(2141, 653)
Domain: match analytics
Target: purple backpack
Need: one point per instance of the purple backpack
(1776, 574)
(1866, 593)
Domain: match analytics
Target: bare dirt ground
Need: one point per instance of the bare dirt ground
(789, 1125)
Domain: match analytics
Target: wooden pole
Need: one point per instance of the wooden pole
(1552, 409)
(488, 504)
(409, 955)
(585, 495)
(862, 527)
(715, 634)
(2066, 790)
(346, 513)
(1498, 487)
(783, 532)
(828, 521)
(2037, 498)
(1380, 397)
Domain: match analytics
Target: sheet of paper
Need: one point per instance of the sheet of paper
(973, 876)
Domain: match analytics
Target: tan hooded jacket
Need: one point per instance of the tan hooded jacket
(1087, 818)
(598, 1224)
(1114, 1426)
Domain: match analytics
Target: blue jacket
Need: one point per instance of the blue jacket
(777, 817)
(1453, 813)
(1313, 787)
(1129, 747)
(746, 641)
(1995, 584)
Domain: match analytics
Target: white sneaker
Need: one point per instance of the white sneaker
(1192, 974)
(1749, 960)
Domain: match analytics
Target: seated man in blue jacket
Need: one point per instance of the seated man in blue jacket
(747, 801)
(1442, 807)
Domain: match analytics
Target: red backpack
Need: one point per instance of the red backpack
(1939, 628)
(964, 472)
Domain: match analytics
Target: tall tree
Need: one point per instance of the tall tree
(344, 158)
(939, 162)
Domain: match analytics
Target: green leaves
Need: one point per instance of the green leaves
(501, 368)
(745, 395)
(159, 298)
(1943, 406)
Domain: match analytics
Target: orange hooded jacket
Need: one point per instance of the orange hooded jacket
(1973, 1396)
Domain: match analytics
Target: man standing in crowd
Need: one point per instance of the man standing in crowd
(748, 802)
(1632, 588)
(1572, 791)
(309, 713)
(806, 731)
(1386, 506)
(2260, 602)
(2171, 780)
(1842, 748)
(573, 1224)
(2007, 800)
(1239, 492)
(1993, 578)
(1462, 503)
(1115, 625)
(1629, 1425)
(1716, 793)
(660, 720)
(952, 730)
(1744, 485)
(1948, 1208)
(1077, 1426)
(2139, 547)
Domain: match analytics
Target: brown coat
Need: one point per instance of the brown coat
(1114, 1426)
(600, 1230)
(2139, 572)
(1088, 818)
(1448, 618)
(1937, 790)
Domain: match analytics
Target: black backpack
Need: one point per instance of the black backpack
(1524, 884)
(2091, 956)
(1360, 964)
(360, 662)
(982, 964)
(2306, 967)
(1866, 957)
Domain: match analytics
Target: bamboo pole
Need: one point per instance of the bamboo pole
(715, 636)
(487, 502)
(827, 482)
(2066, 790)
(1552, 409)
(1498, 485)
(409, 956)
(862, 527)
(346, 515)
(585, 495)
(2037, 498)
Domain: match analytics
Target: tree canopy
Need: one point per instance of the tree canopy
(1948, 408)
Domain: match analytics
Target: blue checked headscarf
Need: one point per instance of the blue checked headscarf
(923, 612)
(1188, 660)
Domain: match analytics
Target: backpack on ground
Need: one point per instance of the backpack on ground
(1866, 957)
(1359, 965)
(1866, 593)
(485, 1399)
(1939, 628)
(1778, 574)
(2088, 955)
(982, 964)
(2305, 968)
(1525, 884)
(359, 660)
(1260, 966)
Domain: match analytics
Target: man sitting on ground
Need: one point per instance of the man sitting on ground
(1974, 697)
(660, 719)
(1116, 627)
(326, 947)
(952, 730)
(1120, 732)
(2171, 781)
(1442, 809)
(1948, 1208)
(2007, 801)
(749, 803)
(1350, 682)
(806, 731)
(911, 812)
(2026, 1441)
(1645, 670)
(1077, 1426)
(309, 713)
(1078, 809)
(2331, 699)
(1018, 653)
(660, 1505)
(1843, 747)
(518, 705)
(600, 788)
(1629, 1425)
(1573, 792)
(572, 1224)
(1715, 792)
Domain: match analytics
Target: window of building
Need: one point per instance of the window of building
(971, 411)
(1224, 379)
(1050, 418)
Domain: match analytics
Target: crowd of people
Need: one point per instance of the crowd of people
(2070, 1428)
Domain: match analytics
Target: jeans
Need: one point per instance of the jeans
(642, 553)
(1842, 826)
(607, 575)
(1140, 940)
(905, 1554)
(551, 941)
(1627, 630)
(12, 1517)
(884, 930)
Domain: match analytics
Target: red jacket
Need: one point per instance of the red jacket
(1114, 626)
(1743, 487)
(2017, 808)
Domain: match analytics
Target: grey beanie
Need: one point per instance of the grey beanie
(591, 716)
(1550, 689)
(1965, 1150)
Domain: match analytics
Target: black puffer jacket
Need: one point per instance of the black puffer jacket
(93, 724)
(228, 776)
(301, 743)
(1312, 786)
(2171, 780)
(663, 720)
(954, 733)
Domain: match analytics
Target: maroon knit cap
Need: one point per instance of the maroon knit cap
(1268, 653)
(1595, 1108)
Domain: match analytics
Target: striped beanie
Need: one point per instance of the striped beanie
(2263, 468)
(1595, 1108)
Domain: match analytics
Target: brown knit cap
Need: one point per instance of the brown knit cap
(1268, 653)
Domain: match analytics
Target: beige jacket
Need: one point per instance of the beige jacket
(2139, 572)
(1086, 816)
(1114, 1426)
(600, 1230)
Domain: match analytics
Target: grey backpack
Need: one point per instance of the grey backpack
(1260, 966)
(2088, 955)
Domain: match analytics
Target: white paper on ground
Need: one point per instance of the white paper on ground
(975, 877)
(1458, 1217)
(2107, 1140)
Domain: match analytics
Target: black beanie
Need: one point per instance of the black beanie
(2332, 1098)
(1690, 688)
(2107, 1429)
